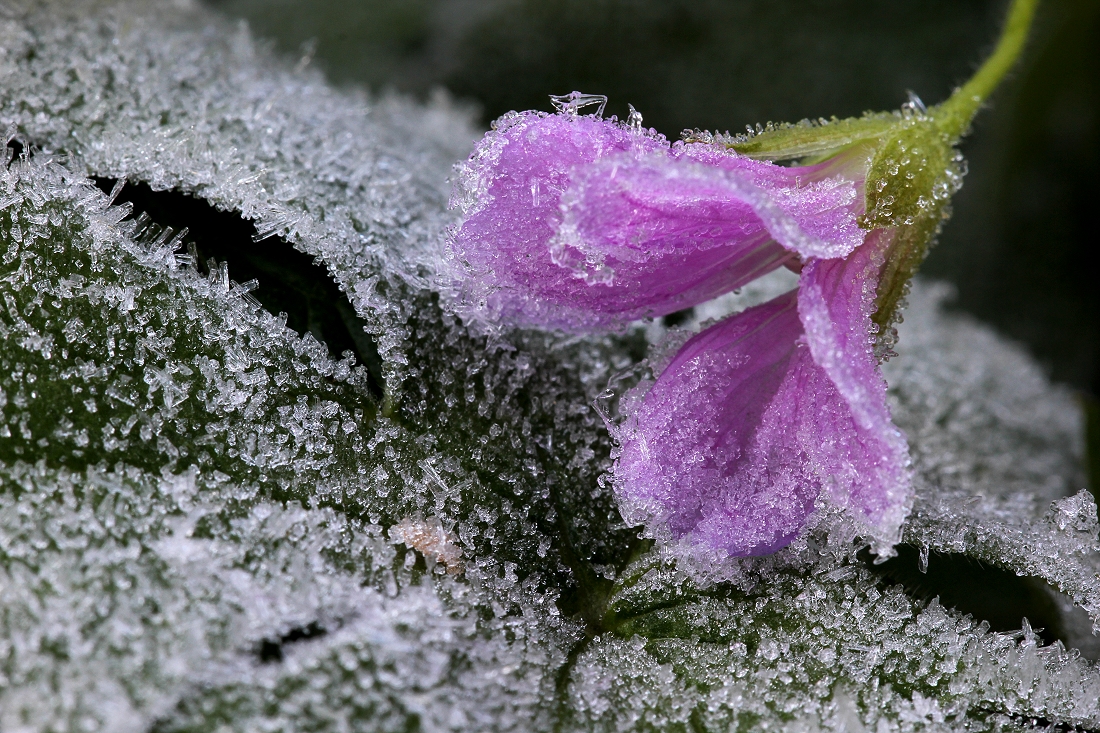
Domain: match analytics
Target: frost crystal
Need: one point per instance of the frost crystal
(209, 523)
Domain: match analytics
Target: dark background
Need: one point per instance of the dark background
(1022, 246)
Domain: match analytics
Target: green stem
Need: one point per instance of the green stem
(955, 114)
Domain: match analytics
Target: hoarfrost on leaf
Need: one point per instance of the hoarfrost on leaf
(208, 522)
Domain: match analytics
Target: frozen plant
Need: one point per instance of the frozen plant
(210, 521)
(573, 222)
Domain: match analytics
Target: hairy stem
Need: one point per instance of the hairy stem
(955, 114)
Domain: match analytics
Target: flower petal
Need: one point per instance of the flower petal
(739, 436)
(576, 222)
(810, 210)
(653, 234)
(835, 302)
(510, 193)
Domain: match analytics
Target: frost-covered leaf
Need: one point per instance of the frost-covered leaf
(998, 455)
(209, 522)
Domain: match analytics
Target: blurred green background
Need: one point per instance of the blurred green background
(1022, 246)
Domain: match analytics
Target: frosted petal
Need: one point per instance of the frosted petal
(810, 210)
(574, 222)
(835, 301)
(740, 435)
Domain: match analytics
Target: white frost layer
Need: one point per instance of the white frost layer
(138, 592)
(997, 452)
(178, 98)
(980, 414)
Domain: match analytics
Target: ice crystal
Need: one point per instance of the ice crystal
(207, 522)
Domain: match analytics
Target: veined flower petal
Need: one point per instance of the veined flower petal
(740, 435)
(811, 210)
(574, 222)
(836, 299)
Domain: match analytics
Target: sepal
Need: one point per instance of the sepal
(915, 170)
(808, 139)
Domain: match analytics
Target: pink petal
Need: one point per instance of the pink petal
(574, 222)
(809, 210)
(835, 302)
(738, 437)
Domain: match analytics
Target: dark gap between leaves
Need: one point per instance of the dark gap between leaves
(14, 151)
(290, 281)
(1043, 724)
(986, 592)
(271, 650)
(675, 319)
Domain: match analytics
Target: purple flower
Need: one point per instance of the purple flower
(573, 222)
(759, 418)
